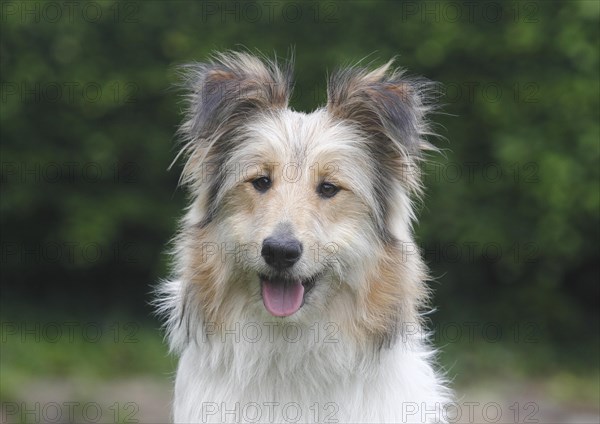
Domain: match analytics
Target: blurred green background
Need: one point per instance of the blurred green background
(510, 224)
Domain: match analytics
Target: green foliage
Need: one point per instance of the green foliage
(520, 94)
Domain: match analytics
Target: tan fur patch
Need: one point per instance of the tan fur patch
(394, 292)
(204, 272)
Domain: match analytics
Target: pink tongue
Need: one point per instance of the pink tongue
(282, 299)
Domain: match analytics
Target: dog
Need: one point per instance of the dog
(298, 293)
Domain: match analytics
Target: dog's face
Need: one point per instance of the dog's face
(297, 213)
(297, 204)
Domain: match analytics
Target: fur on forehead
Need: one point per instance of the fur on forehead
(379, 111)
(313, 144)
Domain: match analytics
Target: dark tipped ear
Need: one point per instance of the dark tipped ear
(384, 104)
(229, 88)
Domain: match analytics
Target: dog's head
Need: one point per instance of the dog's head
(300, 213)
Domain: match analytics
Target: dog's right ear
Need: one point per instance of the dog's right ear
(228, 89)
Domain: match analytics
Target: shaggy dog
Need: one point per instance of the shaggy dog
(298, 290)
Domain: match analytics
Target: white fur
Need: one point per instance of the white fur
(252, 368)
(321, 364)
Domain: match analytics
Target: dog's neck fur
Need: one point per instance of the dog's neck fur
(306, 365)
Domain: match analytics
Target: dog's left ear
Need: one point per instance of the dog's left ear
(384, 104)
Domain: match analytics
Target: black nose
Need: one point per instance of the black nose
(281, 252)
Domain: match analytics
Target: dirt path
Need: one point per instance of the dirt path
(147, 400)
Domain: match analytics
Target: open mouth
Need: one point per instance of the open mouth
(283, 296)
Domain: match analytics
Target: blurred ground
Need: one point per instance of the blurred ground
(125, 375)
(522, 402)
(147, 400)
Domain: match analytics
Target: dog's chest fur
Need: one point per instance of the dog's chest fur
(270, 373)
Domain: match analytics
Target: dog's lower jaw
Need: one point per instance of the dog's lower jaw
(309, 377)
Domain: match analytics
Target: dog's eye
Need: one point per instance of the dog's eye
(327, 190)
(262, 184)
